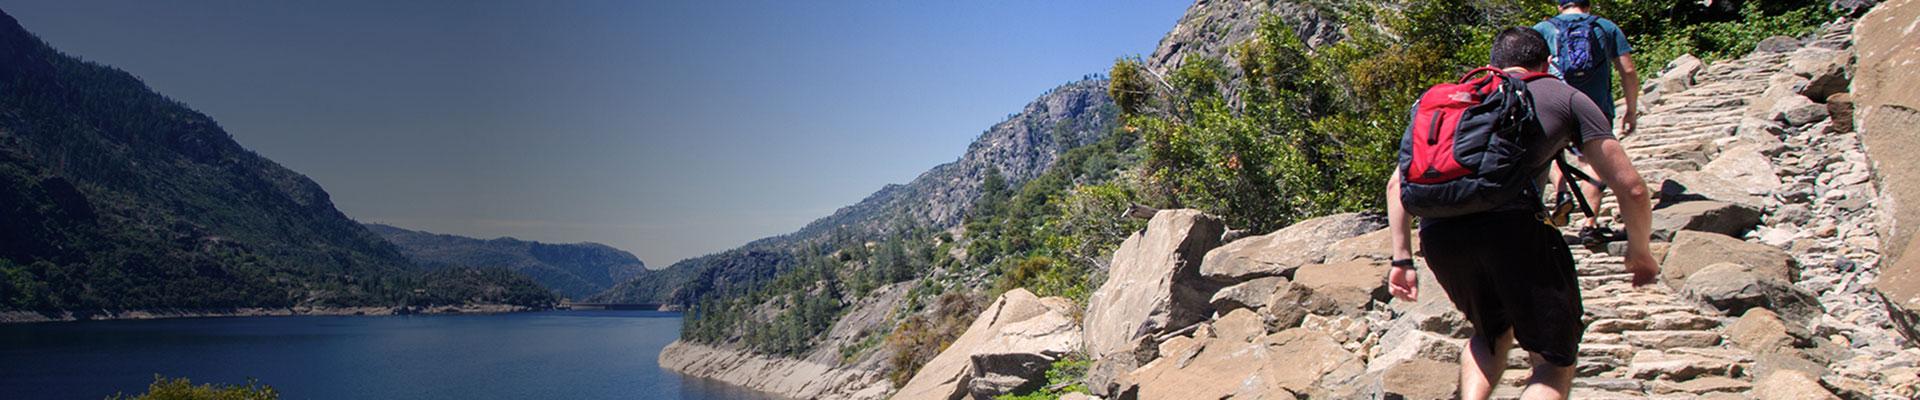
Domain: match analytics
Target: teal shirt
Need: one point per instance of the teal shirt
(1600, 90)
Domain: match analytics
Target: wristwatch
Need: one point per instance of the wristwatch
(1403, 263)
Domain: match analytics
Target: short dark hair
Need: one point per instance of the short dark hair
(1519, 47)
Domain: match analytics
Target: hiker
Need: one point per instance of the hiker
(1586, 50)
(1511, 274)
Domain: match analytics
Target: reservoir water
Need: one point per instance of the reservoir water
(542, 355)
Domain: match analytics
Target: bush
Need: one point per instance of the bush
(183, 389)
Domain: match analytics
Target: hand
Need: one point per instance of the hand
(1403, 283)
(1644, 269)
(1629, 121)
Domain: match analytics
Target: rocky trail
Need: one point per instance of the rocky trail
(1765, 224)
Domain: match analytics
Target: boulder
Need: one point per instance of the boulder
(1250, 294)
(1376, 245)
(1779, 87)
(1769, 363)
(1797, 111)
(1704, 216)
(1650, 364)
(1699, 185)
(1792, 385)
(1407, 346)
(1239, 325)
(1347, 288)
(1746, 165)
(1677, 76)
(1826, 71)
(1886, 110)
(1421, 380)
(1737, 289)
(1154, 285)
(1777, 44)
(1762, 332)
(1287, 364)
(1694, 250)
(1007, 348)
(1280, 252)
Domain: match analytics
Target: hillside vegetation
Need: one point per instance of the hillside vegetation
(115, 197)
(1266, 132)
(574, 270)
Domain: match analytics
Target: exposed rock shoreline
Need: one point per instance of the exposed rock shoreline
(20, 317)
(776, 376)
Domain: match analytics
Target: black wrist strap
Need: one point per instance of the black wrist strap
(1403, 263)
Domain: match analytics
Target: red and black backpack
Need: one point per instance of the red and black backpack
(1464, 152)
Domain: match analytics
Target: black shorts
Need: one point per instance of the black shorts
(1507, 270)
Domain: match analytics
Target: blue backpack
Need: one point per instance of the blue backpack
(1583, 51)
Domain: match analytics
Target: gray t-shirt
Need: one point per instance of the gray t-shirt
(1565, 114)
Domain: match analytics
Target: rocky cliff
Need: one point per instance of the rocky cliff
(1768, 229)
(1018, 148)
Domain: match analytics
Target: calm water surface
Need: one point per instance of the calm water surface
(545, 355)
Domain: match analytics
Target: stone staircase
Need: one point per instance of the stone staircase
(1655, 342)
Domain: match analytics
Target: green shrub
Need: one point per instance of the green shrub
(183, 389)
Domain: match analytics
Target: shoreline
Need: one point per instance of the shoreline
(32, 317)
(778, 377)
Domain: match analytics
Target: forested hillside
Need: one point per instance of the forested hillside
(114, 197)
(1264, 113)
(574, 270)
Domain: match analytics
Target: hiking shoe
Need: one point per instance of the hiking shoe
(1598, 237)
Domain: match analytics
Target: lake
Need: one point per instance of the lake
(540, 355)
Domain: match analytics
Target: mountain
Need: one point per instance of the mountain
(1016, 149)
(574, 270)
(115, 197)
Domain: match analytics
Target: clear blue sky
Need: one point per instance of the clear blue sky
(669, 129)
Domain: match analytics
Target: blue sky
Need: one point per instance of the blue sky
(666, 128)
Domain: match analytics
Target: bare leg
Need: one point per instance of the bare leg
(1592, 191)
(1481, 364)
(1549, 382)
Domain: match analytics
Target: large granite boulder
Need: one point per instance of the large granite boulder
(1421, 380)
(1705, 216)
(1251, 294)
(1700, 185)
(1761, 331)
(1154, 284)
(1736, 288)
(1376, 245)
(1289, 364)
(1797, 111)
(1676, 77)
(1746, 165)
(1346, 288)
(1826, 71)
(1278, 253)
(1886, 110)
(1008, 348)
(1693, 250)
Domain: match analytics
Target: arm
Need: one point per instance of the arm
(1402, 282)
(1611, 165)
(1629, 83)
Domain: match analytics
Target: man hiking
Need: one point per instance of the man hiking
(1586, 50)
(1510, 273)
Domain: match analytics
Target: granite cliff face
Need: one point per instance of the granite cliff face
(574, 270)
(1018, 148)
(1210, 26)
